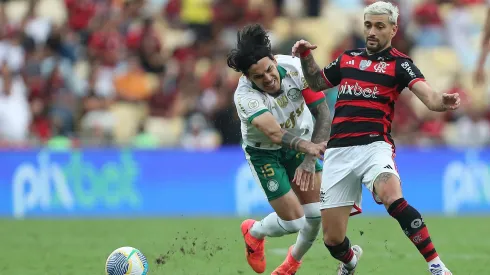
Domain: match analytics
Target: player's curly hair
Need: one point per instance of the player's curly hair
(253, 44)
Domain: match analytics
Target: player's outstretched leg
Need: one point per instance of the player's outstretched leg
(306, 237)
(310, 201)
(388, 189)
(254, 232)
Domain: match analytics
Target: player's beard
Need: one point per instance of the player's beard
(374, 46)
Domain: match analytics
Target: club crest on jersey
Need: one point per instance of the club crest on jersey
(282, 101)
(272, 185)
(253, 104)
(294, 94)
(381, 67)
(365, 64)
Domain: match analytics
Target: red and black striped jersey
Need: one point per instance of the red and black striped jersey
(368, 86)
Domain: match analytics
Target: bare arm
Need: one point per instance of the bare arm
(321, 131)
(313, 73)
(321, 112)
(267, 124)
(438, 102)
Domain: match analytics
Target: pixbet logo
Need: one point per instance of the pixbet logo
(357, 90)
(466, 184)
(47, 186)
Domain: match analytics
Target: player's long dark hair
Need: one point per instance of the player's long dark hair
(253, 44)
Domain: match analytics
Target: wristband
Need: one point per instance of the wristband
(305, 53)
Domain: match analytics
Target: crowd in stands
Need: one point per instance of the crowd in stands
(153, 73)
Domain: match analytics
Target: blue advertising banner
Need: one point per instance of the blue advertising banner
(132, 183)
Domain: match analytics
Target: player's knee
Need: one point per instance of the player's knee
(387, 187)
(388, 201)
(313, 217)
(294, 225)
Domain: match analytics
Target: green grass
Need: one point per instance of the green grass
(215, 246)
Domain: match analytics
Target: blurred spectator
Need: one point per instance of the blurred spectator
(432, 130)
(97, 122)
(11, 50)
(80, 13)
(61, 87)
(134, 84)
(146, 44)
(198, 135)
(472, 130)
(293, 35)
(107, 44)
(457, 87)
(405, 122)
(15, 115)
(165, 121)
(133, 88)
(34, 25)
(198, 15)
(430, 25)
(460, 32)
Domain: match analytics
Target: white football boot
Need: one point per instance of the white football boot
(342, 270)
(437, 269)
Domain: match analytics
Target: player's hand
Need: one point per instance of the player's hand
(301, 46)
(451, 101)
(304, 176)
(316, 150)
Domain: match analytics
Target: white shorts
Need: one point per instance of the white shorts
(346, 169)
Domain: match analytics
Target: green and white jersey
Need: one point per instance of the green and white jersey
(289, 107)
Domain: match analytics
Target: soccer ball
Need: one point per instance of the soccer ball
(126, 261)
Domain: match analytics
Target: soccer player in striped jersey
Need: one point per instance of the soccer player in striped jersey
(276, 109)
(360, 149)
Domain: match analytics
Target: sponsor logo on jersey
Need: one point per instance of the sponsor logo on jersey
(357, 90)
(241, 106)
(294, 94)
(291, 74)
(304, 82)
(365, 64)
(408, 68)
(282, 101)
(293, 116)
(332, 64)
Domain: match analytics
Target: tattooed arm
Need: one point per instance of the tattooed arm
(267, 124)
(313, 74)
(320, 134)
(317, 78)
(321, 130)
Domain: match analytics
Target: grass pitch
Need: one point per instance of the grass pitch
(215, 246)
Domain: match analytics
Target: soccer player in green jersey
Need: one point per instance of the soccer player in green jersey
(282, 143)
